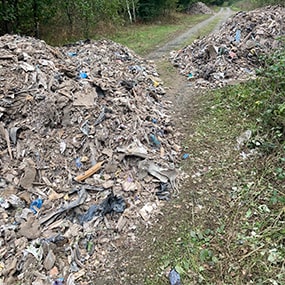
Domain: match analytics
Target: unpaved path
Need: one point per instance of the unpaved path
(176, 43)
(132, 262)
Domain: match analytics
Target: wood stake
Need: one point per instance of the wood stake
(89, 172)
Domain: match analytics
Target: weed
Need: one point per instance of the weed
(235, 231)
(263, 100)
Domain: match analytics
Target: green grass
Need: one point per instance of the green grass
(141, 38)
(244, 5)
(231, 229)
(144, 38)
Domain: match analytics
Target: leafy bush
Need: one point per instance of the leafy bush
(263, 99)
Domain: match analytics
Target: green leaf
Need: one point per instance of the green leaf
(248, 213)
(179, 269)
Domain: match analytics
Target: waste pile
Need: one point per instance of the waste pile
(87, 151)
(199, 8)
(233, 53)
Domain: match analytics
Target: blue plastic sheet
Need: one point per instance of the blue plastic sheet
(238, 34)
(174, 277)
(72, 54)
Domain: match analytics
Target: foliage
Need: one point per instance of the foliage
(268, 2)
(31, 16)
(263, 99)
(184, 4)
(24, 16)
(151, 9)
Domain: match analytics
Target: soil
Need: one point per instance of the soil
(133, 262)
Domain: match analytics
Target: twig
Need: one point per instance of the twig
(250, 253)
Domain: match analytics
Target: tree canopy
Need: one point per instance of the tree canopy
(27, 16)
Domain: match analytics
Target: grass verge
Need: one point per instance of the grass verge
(142, 38)
(145, 38)
(228, 227)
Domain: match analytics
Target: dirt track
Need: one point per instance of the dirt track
(130, 264)
(176, 43)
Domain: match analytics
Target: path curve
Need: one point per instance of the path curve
(129, 264)
(176, 43)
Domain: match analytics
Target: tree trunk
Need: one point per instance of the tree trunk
(36, 19)
(69, 14)
(134, 11)
(17, 18)
(5, 20)
(129, 12)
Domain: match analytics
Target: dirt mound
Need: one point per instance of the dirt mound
(199, 8)
(233, 52)
(88, 151)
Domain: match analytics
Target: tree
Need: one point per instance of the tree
(184, 4)
(148, 10)
(8, 15)
(24, 16)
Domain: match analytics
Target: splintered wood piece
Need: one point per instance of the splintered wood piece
(89, 172)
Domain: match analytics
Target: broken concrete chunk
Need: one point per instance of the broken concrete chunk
(49, 260)
(29, 174)
(147, 210)
(30, 229)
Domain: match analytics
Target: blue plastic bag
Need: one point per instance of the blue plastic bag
(59, 281)
(154, 140)
(36, 203)
(83, 75)
(185, 155)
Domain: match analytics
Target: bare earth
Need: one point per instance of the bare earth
(132, 262)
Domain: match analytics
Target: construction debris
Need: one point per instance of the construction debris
(233, 53)
(85, 142)
(199, 8)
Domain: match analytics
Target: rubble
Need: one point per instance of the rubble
(85, 142)
(233, 52)
(199, 8)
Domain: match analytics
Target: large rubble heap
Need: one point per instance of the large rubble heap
(233, 52)
(87, 149)
(199, 8)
